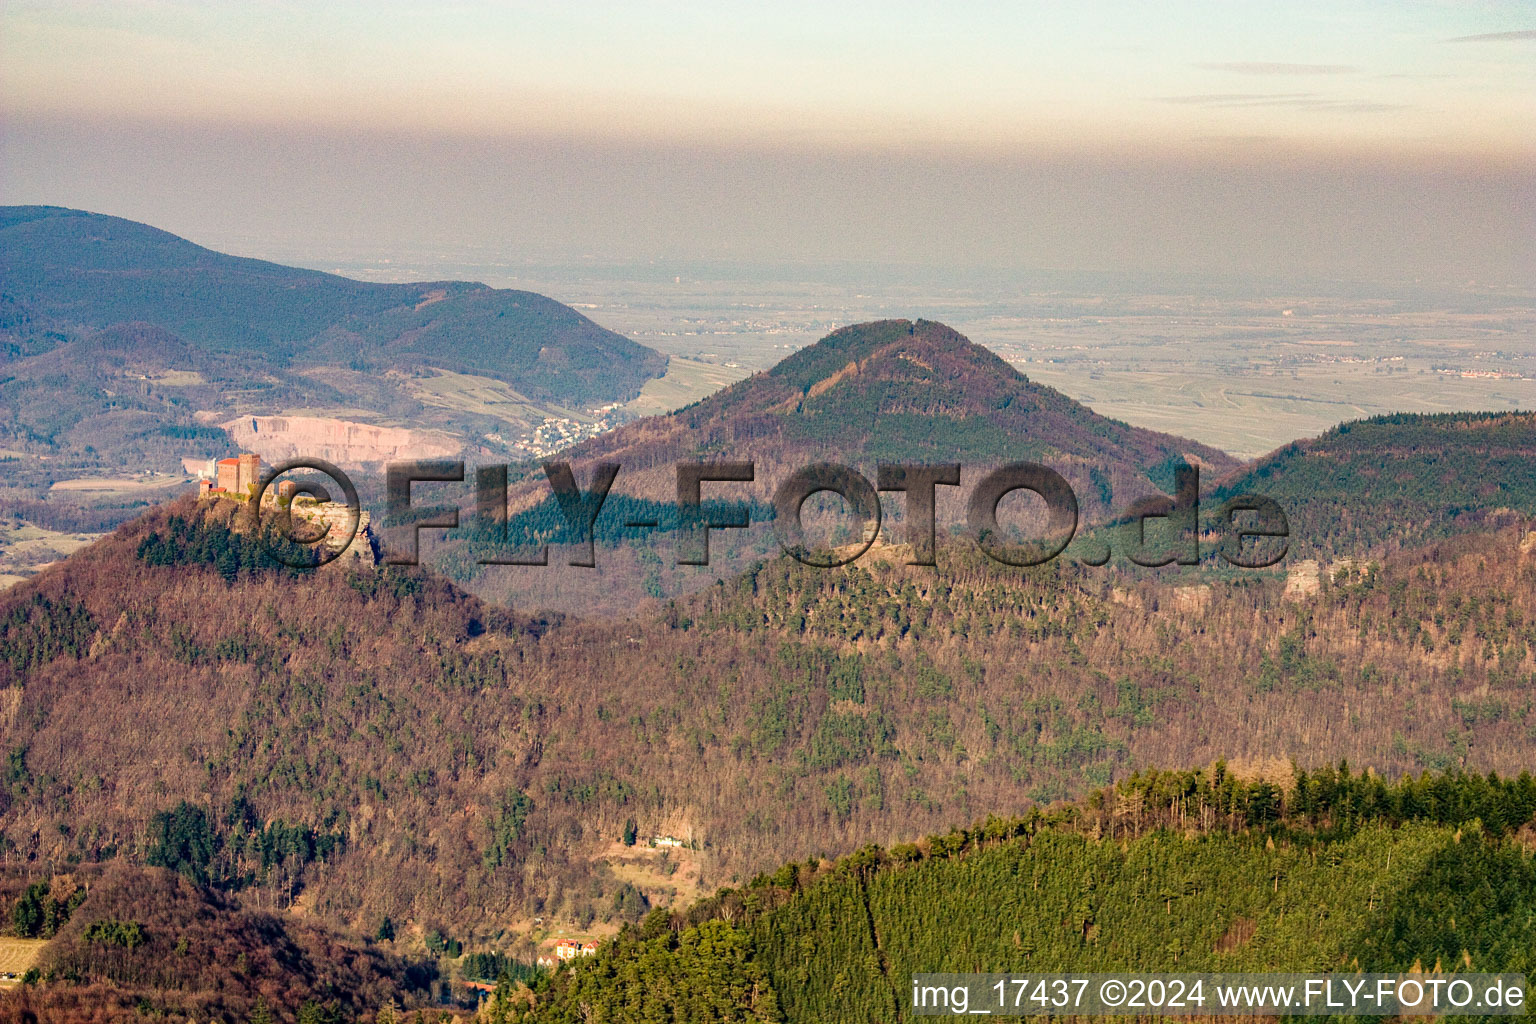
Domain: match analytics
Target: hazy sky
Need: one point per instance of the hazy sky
(1358, 139)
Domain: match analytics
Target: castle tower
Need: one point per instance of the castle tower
(229, 476)
(249, 475)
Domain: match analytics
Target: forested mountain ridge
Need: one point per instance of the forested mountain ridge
(891, 391)
(1399, 481)
(1210, 869)
(378, 743)
(68, 271)
(1185, 872)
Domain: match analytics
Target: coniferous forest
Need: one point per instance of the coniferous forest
(1190, 871)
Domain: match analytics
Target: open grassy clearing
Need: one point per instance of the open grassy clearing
(179, 379)
(483, 396)
(25, 548)
(16, 955)
(686, 381)
(667, 874)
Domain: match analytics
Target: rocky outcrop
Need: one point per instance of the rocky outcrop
(336, 518)
(1192, 599)
(344, 442)
(1303, 580)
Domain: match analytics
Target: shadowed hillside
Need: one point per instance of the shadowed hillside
(144, 942)
(67, 271)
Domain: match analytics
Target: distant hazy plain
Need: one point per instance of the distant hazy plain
(1240, 365)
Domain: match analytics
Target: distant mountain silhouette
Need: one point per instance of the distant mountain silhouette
(67, 272)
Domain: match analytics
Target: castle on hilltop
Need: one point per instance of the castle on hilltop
(237, 479)
(234, 478)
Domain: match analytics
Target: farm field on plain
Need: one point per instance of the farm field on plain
(105, 487)
(1254, 412)
(1248, 377)
(686, 381)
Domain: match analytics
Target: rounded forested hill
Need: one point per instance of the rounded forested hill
(1400, 480)
(896, 391)
(903, 389)
(69, 271)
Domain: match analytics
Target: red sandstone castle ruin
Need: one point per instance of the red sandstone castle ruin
(235, 477)
(238, 478)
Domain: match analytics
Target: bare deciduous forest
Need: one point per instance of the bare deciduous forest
(442, 761)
